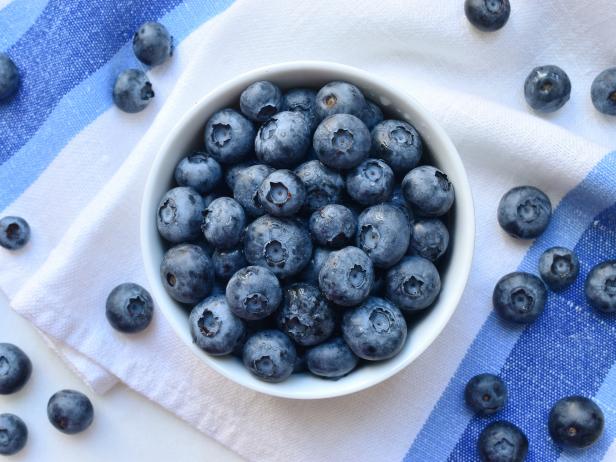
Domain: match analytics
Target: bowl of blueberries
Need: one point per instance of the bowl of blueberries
(307, 229)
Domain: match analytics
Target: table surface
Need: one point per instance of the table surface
(127, 426)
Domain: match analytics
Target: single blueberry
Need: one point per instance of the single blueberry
(214, 328)
(332, 359)
(485, 394)
(129, 308)
(269, 355)
(310, 273)
(502, 442)
(305, 315)
(487, 15)
(519, 297)
(398, 143)
(429, 238)
(253, 293)
(260, 101)
(246, 187)
(547, 88)
(600, 287)
(342, 141)
(428, 190)
(198, 171)
(304, 101)
(371, 182)
(282, 193)
(524, 212)
(413, 284)
(70, 411)
(340, 98)
(179, 215)
(15, 368)
(9, 76)
(223, 223)
(14, 232)
(603, 92)
(383, 232)
(187, 274)
(13, 434)
(227, 262)
(152, 44)
(371, 115)
(280, 244)
(229, 136)
(558, 267)
(333, 226)
(576, 422)
(347, 276)
(375, 330)
(132, 91)
(284, 140)
(323, 185)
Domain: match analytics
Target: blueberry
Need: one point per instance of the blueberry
(253, 293)
(347, 276)
(340, 98)
(13, 434)
(246, 187)
(132, 91)
(502, 442)
(14, 232)
(152, 44)
(129, 308)
(547, 88)
(214, 328)
(323, 185)
(270, 356)
(413, 284)
(371, 115)
(332, 359)
(306, 316)
(603, 92)
(179, 215)
(375, 330)
(280, 244)
(398, 144)
(232, 172)
(558, 267)
(70, 411)
(600, 287)
(429, 238)
(487, 15)
(333, 226)
(576, 422)
(428, 190)
(519, 297)
(485, 394)
(9, 77)
(187, 273)
(282, 193)
(310, 274)
(383, 232)
(371, 182)
(199, 171)
(304, 101)
(524, 212)
(260, 101)
(342, 141)
(229, 136)
(284, 140)
(15, 368)
(227, 262)
(223, 223)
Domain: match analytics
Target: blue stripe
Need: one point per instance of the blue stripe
(16, 18)
(92, 97)
(494, 342)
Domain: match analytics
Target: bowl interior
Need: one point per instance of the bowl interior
(187, 136)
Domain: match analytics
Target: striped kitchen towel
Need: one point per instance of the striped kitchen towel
(74, 166)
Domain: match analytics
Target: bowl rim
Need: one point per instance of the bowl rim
(464, 207)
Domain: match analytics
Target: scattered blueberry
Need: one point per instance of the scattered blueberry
(342, 141)
(304, 101)
(152, 44)
(179, 215)
(502, 442)
(246, 187)
(331, 359)
(15, 368)
(214, 328)
(600, 287)
(487, 15)
(14, 232)
(428, 190)
(198, 171)
(333, 226)
(519, 297)
(398, 144)
(70, 411)
(310, 273)
(485, 394)
(524, 212)
(371, 182)
(547, 88)
(383, 232)
(323, 185)
(13, 434)
(9, 76)
(284, 140)
(429, 238)
(576, 422)
(269, 355)
(253, 293)
(371, 115)
(260, 101)
(603, 92)
(558, 267)
(340, 98)
(282, 193)
(187, 273)
(129, 308)
(229, 136)
(223, 223)
(227, 262)
(413, 284)
(132, 91)
(346, 277)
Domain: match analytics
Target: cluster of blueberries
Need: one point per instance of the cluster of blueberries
(294, 236)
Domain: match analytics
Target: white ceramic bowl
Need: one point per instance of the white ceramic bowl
(188, 135)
